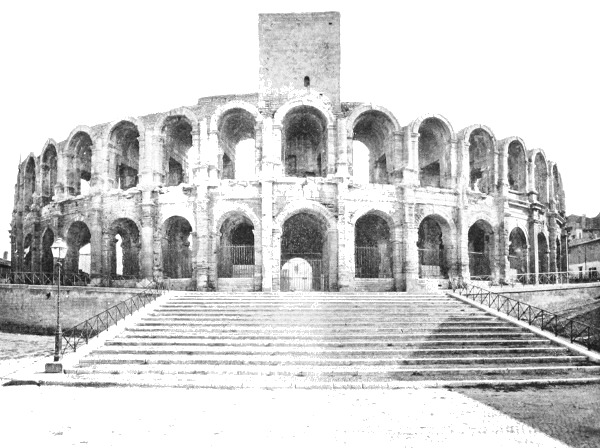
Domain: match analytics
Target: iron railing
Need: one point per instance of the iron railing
(89, 328)
(66, 279)
(369, 263)
(236, 261)
(575, 331)
(432, 263)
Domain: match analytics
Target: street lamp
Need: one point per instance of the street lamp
(59, 251)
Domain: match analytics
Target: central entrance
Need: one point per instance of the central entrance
(304, 254)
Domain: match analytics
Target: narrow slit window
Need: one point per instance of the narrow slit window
(306, 81)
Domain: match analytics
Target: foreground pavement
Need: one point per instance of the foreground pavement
(59, 416)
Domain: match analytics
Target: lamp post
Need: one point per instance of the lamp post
(59, 251)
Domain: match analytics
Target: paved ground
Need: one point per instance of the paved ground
(55, 416)
(68, 416)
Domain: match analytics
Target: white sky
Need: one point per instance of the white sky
(524, 68)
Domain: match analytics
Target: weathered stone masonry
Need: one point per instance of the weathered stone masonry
(290, 189)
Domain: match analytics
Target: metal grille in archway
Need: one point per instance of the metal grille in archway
(304, 254)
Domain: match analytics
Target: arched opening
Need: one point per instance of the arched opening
(79, 168)
(517, 252)
(123, 249)
(176, 251)
(559, 194)
(47, 258)
(28, 253)
(29, 184)
(541, 178)
(124, 141)
(434, 138)
(304, 142)
(375, 131)
(542, 255)
(481, 241)
(372, 248)
(481, 161)
(78, 256)
(177, 140)
(360, 162)
(304, 237)
(517, 167)
(237, 142)
(236, 254)
(432, 254)
(49, 174)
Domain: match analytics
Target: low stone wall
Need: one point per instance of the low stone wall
(555, 298)
(28, 309)
(374, 284)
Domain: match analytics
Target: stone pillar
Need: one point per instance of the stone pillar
(397, 264)
(552, 243)
(331, 151)
(342, 150)
(345, 245)
(258, 153)
(213, 157)
(276, 259)
(275, 151)
(534, 266)
(332, 241)
(148, 221)
(268, 257)
(203, 247)
(200, 168)
(96, 233)
(409, 248)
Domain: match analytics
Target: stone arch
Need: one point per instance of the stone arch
(375, 128)
(221, 110)
(222, 213)
(434, 237)
(543, 254)
(540, 175)
(236, 246)
(29, 181)
(47, 260)
(180, 111)
(373, 252)
(481, 155)
(304, 142)
(304, 205)
(481, 248)
(27, 251)
(49, 171)
(559, 193)
(515, 157)
(125, 141)
(435, 137)
(236, 131)
(517, 250)
(308, 101)
(123, 263)
(78, 155)
(78, 237)
(176, 251)
(176, 140)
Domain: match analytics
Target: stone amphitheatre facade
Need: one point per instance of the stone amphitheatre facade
(290, 189)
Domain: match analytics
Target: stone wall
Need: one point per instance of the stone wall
(28, 309)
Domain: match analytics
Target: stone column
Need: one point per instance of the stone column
(534, 266)
(409, 248)
(148, 221)
(552, 242)
(276, 259)
(397, 254)
(332, 241)
(96, 233)
(331, 151)
(275, 151)
(345, 245)
(342, 149)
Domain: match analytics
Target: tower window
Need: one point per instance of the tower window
(306, 81)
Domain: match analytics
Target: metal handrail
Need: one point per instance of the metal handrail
(575, 331)
(66, 278)
(89, 328)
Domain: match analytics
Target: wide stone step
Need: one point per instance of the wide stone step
(334, 372)
(169, 346)
(101, 357)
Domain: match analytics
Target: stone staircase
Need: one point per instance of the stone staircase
(324, 340)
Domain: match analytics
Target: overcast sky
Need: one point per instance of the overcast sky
(523, 68)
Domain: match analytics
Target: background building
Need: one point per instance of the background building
(289, 189)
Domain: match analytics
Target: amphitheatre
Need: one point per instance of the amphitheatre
(289, 189)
